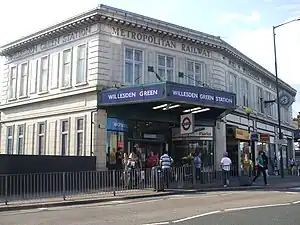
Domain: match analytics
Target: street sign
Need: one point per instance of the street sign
(187, 123)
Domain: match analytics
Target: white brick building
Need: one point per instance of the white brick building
(51, 79)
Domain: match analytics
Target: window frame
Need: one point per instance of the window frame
(38, 135)
(86, 64)
(62, 86)
(11, 137)
(260, 100)
(61, 133)
(134, 62)
(13, 95)
(83, 132)
(57, 70)
(165, 67)
(40, 82)
(245, 101)
(25, 84)
(35, 73)
(22, 136)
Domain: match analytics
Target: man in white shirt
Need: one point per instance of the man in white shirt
(166, 162)
(225, 165)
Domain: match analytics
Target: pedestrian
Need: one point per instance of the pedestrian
(198, 164)
(165, 162)
(266, 162)
(260, 168)
(225, 166)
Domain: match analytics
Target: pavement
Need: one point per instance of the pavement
(276, 183)
(222, 207)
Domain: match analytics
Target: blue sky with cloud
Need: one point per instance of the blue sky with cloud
(246, 24)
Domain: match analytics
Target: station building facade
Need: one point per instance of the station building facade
(109, 79)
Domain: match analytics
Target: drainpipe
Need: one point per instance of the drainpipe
(91, 136)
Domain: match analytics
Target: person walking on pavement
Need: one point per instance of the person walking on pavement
(260, 168)
(266, 162)
(165, 162)
(225, 165)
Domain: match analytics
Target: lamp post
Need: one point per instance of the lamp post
(277, 93)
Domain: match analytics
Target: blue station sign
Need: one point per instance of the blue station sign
(168, 91)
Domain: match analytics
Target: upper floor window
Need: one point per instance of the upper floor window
(10, 139)
(67, 68)
(12, 91)
(259, 101)
(20, 147)
(133, 66)
(54, 70)
(245, 92)
(81, 64)
(23, 80)
(33, 76)
(194, 73)
(166, 67)
(269, 107)
(44, 74)
(232, 82)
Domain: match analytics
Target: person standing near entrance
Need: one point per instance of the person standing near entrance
(198, 164)
(260, 168)
(225, 165)
(165, 162)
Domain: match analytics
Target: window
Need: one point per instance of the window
(232, 82)
(44, 74)
(33, 76)
(269, 108)
(80, 137)
(54, 70)
(20, 149)
(166, 67)
(67, 68)
(10, 139)
(194, 73)
(133, 66)
(64, 137)
(41, 139)
(23, 80)
(260, 100)
(12, 83)
(245, 92)
(81, 64)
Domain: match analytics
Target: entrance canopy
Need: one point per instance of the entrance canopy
(169, 97)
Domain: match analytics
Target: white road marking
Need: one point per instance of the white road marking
(296, 202)
(159, 223)
(292, 193)
(256, 207)
(196, 216)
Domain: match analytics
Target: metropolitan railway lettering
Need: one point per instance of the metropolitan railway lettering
(160, 41)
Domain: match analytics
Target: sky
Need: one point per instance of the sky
(245, 24)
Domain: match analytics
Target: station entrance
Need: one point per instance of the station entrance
(150, 119)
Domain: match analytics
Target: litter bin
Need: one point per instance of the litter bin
(157, 178)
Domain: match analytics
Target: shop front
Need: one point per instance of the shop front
(244, 151)
(152, 116)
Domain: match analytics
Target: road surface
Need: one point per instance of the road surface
(180, 209)
(277, 215)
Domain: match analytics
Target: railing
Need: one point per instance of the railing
(67, 185)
